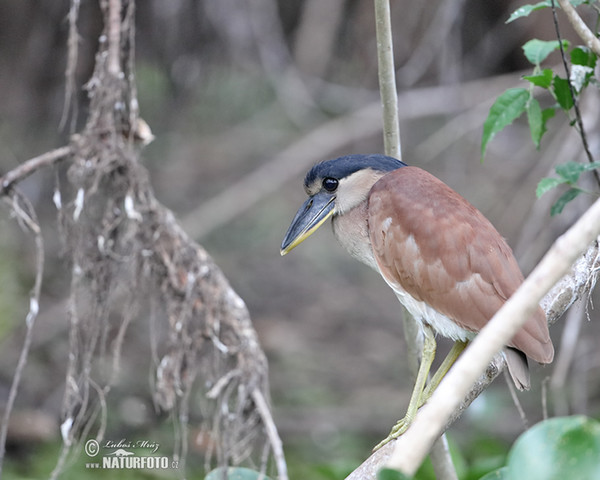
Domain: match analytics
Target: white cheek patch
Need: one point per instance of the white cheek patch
(354, 189)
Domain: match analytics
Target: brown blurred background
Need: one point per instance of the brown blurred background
(243, 97)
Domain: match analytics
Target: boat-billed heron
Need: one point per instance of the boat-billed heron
(447, 264)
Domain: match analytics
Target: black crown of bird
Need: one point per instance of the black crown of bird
(445, 261)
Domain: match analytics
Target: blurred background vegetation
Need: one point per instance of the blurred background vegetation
(243, 97)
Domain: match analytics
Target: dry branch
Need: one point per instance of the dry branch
(26, 217)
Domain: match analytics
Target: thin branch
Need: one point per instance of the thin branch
(271, 430)
(27, 218)
(413, 446)
(578, 119)
(591, 41)
(566, 354)
(73, 54)
(387, 79)
(114, 38)
(30, 166)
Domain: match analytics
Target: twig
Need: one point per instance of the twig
(412, 447)
(580, 27)
(114, 37)
(566, 353)
(28, 219)
(30, 166)
(387, 79)
(578, 119)
(267, 418)
(442, 461)
(72, 56)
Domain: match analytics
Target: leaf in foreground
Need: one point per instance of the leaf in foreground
(235, 473)
(559, 448)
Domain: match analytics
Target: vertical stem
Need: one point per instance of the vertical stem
(114, 37)
(387, 79)
(440, 455)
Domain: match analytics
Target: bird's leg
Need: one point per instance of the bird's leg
(453, 354)
(429, 346)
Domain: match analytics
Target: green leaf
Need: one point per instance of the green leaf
(562, 93)
(547, 114)
(571, 171)
(561, 203)
(583, 56)
(391, 474)
(507, 107)
(559, 448)
(543, 79)
(537, 51)
(536, 121)
(525, 10)
(500, 474)
(234, 473)
(547, 184)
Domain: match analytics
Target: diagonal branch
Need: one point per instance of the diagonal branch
(25, 169)
(580, 27)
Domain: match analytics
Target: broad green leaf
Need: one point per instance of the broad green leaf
(562, 93)
(583, 56)
(537, 50)
(500, 474)
(571, 171)
(507, 107)
(543, 79)
(536, 121)
(557, 449)
(547, 184)
(525, 10)
(391, 474)
(558, 207)
(234, 473)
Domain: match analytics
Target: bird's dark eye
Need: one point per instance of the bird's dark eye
(330, 184)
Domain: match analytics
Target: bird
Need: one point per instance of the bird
(447, 264)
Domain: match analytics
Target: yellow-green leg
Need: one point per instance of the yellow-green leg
(421, 393)
(429, 346)
(442, 370)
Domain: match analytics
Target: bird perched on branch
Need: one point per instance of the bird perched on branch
(445, 261)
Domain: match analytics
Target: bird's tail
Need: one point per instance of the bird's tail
(518, 369)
